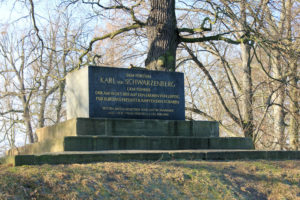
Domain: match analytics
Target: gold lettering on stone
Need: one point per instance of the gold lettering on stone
(107, 80)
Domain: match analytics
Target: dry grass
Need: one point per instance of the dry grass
(158, 180)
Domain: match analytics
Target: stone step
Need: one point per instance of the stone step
(98, 143)
(116, 156)
(50, 145)
(129, 127)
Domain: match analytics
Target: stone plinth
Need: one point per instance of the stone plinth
(108, 92)
(129, 127)
(104, 134)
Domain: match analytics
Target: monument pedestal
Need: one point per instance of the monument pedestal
(86, 134)
(122, 114)
(85, 140)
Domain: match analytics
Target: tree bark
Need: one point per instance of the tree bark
(60, 101)
(293, 87)
(279, 68)
(247, 93)
(162, 36)
(25, 100)
(278, 104)
(247, 97)
(27, 120)
(294, 108)
(41, 118)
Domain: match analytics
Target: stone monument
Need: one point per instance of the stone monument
(108, 92)
(128, 111)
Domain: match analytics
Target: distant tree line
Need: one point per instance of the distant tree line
(240, 60)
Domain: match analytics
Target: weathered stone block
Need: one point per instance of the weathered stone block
(129, 127)
(231, 143)
(109, 92)
(100, 143)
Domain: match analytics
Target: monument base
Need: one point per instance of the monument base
(82, 140)
(139, 155)
(86, 134)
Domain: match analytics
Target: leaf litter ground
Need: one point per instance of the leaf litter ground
(154, 180)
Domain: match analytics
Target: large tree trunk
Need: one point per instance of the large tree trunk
(278, 104)
(247, 112)
(162, 36)
(60, 101)
(41, 118)
(293, 87)
(279, 68)
(28, 126)
(26, 115)
(25, 100)
(294, 119)
(247, 97)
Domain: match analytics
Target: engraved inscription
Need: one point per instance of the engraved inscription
(124, 93)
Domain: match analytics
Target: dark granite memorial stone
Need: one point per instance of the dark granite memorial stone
(129, 93)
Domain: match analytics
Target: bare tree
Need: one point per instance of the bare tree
(163, 34)
(240, 56)
(17, 64)
(246, 20)
(33, 74)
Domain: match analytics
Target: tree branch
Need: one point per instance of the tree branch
(11, 111)
(120, 7)
(210, 38)
(193, 30)
(34, 23)
(201, 66)
(109, 35)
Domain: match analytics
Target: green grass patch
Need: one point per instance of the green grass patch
(153, 180)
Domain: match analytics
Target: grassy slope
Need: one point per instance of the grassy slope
(154, 180)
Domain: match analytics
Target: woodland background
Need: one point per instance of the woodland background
(240, 60)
